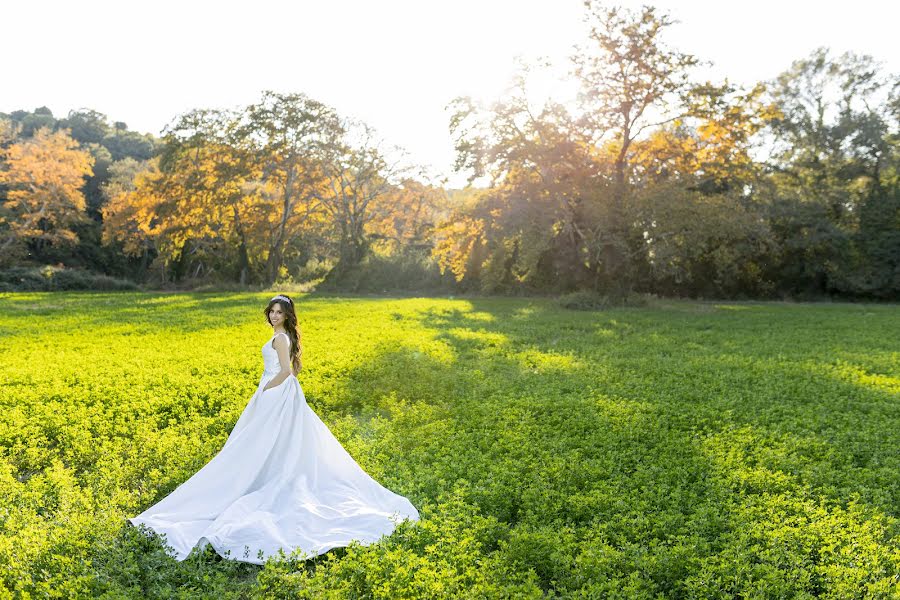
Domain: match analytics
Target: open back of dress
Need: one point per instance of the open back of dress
(281, 481)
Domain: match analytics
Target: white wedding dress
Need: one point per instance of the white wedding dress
(281, 481)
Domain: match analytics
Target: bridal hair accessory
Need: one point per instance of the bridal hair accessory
(280, 297)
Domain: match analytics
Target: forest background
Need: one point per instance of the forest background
(657, 182)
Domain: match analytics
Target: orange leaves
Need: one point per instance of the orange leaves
(406, 215)
(45, 175)
(666, 154)
(130, 215)
(456, 243)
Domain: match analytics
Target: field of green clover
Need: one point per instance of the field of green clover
(680, 450)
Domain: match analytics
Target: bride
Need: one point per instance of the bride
(282, 480)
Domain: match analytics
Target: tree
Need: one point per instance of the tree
(29, 123)
(630, 82)
(290, 135)
(93, 187)
(189, 208)
(265, 181)
(703, 244)
(727, 121)
(45, 176)
(204, 149)
(710, 148)
(404, 219)
(132, 204)
(535, 223)
(87, 126)
(463, 240)
(8, 131)
(835, 161)
(359, 176)
(132, 144)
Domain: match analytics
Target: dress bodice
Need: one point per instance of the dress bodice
(271, 364)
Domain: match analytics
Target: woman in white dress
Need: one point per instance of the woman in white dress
(282, 480)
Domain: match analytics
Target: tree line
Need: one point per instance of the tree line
(653, 181)
(235, 195)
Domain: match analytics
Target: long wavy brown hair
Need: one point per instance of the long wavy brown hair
(291, 327)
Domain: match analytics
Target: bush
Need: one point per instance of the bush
(391, 273)
(49, 278)
(591, 300)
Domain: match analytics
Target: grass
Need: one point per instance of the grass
(682, 450)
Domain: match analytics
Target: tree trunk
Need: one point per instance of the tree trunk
(181, 263)
(276, 252)
(615, 259)
(273, 264)
(243, 257)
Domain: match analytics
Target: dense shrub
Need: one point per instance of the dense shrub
(591, 300)
(49, 278)
(399, 272)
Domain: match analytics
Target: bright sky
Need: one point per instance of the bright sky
(392, 63)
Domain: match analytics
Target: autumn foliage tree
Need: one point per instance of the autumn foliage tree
(44, 176)
(654, 185)
(561, 181)
(130, 213)
(159, 214)
(631, 82)
(533, 226)
(218, 176)
(289, 137)
(361, 175)
(404, 218)
(276, 180)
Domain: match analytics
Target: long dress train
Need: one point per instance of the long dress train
(281, 481)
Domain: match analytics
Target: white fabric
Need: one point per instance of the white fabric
(281, 480)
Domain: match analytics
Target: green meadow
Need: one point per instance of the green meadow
(680, 450)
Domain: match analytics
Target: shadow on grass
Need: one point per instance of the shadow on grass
(781, 373)
(640, 431)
